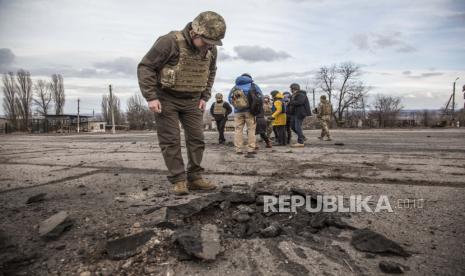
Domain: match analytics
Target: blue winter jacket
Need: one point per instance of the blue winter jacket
(244, 83)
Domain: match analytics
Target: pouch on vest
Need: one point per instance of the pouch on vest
(218, 109)
(326, 109)
(192, 71)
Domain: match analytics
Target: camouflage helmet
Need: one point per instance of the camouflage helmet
(323, 97)
(219, 96)
(210, 26)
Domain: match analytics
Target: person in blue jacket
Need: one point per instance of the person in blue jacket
(243, 116)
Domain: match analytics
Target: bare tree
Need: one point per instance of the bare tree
(138, 114)
(326, 78)
(106, 110)
(386, 110)
(351, 90)
(24, 97)
(43, 96)
(10, 98)
(343, 86)
(58, 93)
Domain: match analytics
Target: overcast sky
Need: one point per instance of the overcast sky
(413, 49)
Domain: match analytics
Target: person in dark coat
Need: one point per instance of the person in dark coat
(220, 111)
(261, 128)
(299, 108)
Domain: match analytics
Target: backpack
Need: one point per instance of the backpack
(326, 108)
(239, 100)
(255, 100)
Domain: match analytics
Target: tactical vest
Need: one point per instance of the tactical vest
(326, 108)
(191, 72)
(218, 109)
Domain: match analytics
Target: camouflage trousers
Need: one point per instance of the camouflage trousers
(324, 122)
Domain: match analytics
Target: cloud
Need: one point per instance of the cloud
(121, 65)
(361, 41)
(376, 41)
(7, 56)
(406, 49)
(285, 75)
(407, 72)
(426, 75)
(387, 40)
(258, 53)
(223, 55)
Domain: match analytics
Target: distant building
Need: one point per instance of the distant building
(96, 126)
(64, 123)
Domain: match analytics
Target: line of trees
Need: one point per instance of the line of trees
(109, 105)
(20, 94)
(137, 115)
(386, 110)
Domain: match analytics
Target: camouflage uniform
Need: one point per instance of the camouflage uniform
(179, 75)
(324, 116)
(268, 112)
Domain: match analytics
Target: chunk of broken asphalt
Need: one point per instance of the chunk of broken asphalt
(161, 218)
(225, 205)
(128, 246)
(391, 267)
(321, 220)
(368, 241)
(240, 217)
(237, 194)
(193, 205)
(271, 231)
(245, 209)
(36, 198)
(202, 242)
(55, 225)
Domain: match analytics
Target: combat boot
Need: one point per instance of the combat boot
(269, 144)
(180, 188)
(200, 184)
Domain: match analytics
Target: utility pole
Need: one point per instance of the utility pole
(313, 90)
(453, 100)
(78, 119)
(463, 90)
(112, 113)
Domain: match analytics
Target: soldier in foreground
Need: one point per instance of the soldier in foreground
(220, 111)
(324, 112)
(176, 77)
